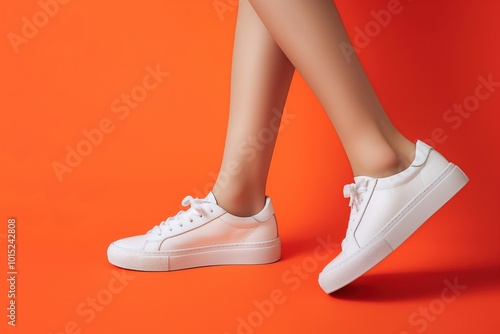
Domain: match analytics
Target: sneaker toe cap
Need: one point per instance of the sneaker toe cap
(135, 243)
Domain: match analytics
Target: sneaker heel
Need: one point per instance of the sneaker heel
(443, 189)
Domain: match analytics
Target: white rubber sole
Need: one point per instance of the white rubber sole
(424, 205)
(213, 255)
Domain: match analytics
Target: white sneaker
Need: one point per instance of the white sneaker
(204, 235)
(386, 211)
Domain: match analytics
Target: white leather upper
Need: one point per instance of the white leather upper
(215, 226)
(385, 197)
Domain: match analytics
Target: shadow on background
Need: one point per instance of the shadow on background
(306, 245)
(410, 285)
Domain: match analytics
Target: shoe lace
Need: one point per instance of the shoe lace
(354, 192)
(199, 207)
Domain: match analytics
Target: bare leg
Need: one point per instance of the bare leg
(260, 80)
(309, 33)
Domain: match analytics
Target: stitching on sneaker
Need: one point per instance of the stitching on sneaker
(391, 224)
(202, 248)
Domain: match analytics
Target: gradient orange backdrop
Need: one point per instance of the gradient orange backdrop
(63, 75)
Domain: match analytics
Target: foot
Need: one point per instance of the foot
(203, 235)
(386, 211)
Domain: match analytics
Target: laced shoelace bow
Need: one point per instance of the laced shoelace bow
(198, 208)
(354, 192)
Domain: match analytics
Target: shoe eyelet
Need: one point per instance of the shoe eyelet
(201, 216)
(191, 220)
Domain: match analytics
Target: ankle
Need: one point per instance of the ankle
(384, 162)
(239, 202)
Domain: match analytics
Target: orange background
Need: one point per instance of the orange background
(63, 81)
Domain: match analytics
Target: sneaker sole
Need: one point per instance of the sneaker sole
(424, 205)
(213, 255)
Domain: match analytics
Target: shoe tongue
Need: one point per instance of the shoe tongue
(211, 198)
(359, 179)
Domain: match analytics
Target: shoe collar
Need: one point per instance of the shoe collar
(421, 153)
